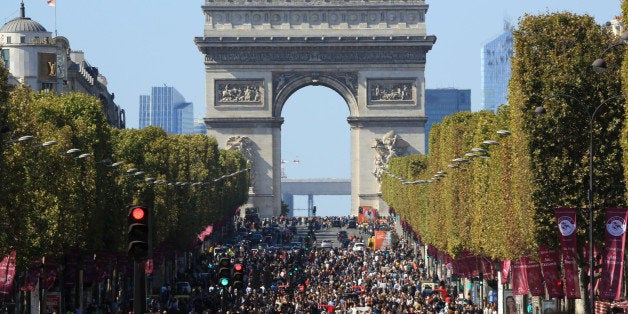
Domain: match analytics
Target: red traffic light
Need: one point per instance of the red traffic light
(138, 213)
(559, 283)
(237, 267)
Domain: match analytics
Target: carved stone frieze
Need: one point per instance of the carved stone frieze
(238, 92)
(347, 79)
(401, 55)
(392, 92)
(327, 19)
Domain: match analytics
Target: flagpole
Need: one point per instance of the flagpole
(55, 19)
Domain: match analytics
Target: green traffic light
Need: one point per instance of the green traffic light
(224, 282)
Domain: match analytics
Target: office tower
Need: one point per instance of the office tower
(199, 126)
(442, 102)
(496, 70)
(165, 107)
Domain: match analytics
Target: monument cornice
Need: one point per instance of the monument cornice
(246, 122)
(386, 121)
(211, 4)
(315, 41)
(315, 53)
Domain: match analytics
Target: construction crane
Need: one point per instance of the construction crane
(285, 161)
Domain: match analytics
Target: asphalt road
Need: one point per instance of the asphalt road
(328, 234)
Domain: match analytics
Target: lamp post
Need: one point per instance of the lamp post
(541, 111)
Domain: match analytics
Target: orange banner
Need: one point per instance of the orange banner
(382, 239)
(366, 214)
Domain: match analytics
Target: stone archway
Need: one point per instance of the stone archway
(373, 53)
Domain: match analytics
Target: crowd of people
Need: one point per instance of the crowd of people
(311, 279)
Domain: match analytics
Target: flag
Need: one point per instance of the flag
(51, 3)
(566, 219)
(520, 277)
(612, 273)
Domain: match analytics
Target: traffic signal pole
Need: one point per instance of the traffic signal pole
(139, 248)
(139, 287)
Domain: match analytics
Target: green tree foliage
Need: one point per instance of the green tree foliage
(473, 207)
(624, 76)
(4, 133)
(193, 165)
(53, 201)
(502, 206)
(552, 68)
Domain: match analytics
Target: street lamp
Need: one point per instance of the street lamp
(540, 110)
(599, 65)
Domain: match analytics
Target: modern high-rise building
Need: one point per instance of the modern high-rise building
(199, 126)
(442, 102)
(165, 107)
(496, 70)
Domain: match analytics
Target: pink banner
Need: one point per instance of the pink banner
(49, 276)
(505, 269)
(566, 219)
(610, 285)
(535, 279)
(7, 275)
(551, 272)
(520, 277)
(149, 266)
(32, 277)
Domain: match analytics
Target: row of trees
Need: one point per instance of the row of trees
(501, 205)
(51, 201)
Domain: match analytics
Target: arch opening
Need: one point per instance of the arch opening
(315, 149)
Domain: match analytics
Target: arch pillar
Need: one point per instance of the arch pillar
(365, 187)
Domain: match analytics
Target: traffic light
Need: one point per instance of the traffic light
(238, 276)
(138, 233)
(314, 210)
(224, 271)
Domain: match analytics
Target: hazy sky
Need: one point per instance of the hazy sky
(142, 43)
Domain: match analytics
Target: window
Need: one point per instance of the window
(5, 57)
(46, 87)
(22, 39)
(8, 39)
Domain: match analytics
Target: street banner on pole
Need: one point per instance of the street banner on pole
(566, 219)
(519, 278)
(615, 240)
(535, 280)
(381, 237)
(505, 269)
(551, 275)
(7, 275)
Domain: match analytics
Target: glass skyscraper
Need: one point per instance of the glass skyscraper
(165, 107)
(496, 70)
(442, 102)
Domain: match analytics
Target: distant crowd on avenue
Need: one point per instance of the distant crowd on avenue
(311, 279)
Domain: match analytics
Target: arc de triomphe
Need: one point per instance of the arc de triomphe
(371, 52)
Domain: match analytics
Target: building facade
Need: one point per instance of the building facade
(496, 70)
(165, 107)
(199, 126)
(34, 58)
(442, 102)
